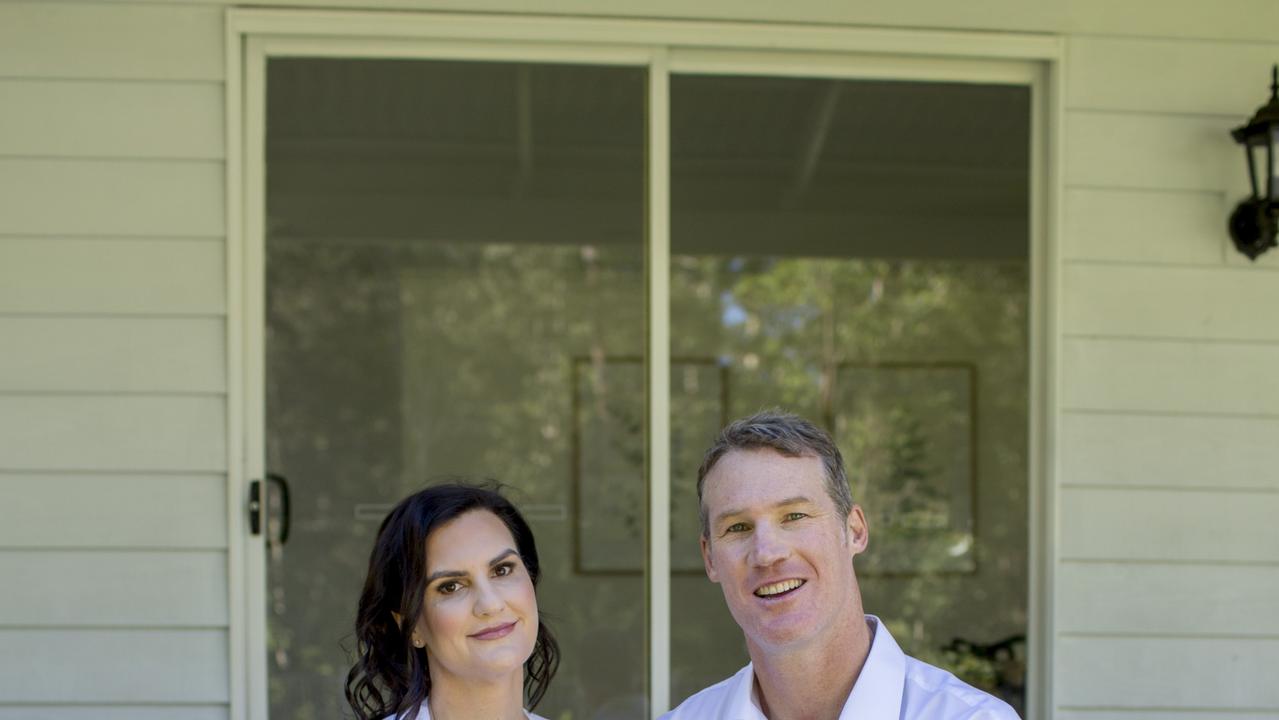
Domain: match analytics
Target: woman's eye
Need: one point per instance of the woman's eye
(448, 588)
(503, 570)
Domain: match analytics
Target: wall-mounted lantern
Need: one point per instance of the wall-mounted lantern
(1254, 222)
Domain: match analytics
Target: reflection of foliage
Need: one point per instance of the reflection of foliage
(453, 358)
(998, 668)
(909, 427)
(438, 359)
(786, 325)
(908, 474)
(611, 456)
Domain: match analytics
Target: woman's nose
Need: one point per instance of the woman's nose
(487, 599)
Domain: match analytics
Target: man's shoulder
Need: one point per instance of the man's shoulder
(933, 693)
(709, 702)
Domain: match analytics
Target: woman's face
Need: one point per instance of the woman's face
(479, 618)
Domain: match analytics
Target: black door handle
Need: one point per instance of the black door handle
(258, 506)
(286, 511)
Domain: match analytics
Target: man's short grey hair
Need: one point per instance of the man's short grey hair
(787, 434)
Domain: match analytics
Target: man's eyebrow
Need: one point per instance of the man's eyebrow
(794, 500)
(458, 573)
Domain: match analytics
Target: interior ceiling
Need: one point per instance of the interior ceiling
(739, 145)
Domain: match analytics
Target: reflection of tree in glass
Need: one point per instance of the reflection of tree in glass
(789, 327)
(436, 359)
(918, 503)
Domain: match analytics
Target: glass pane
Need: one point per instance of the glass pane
(856, 251)
(1272, 180)
(455, 286)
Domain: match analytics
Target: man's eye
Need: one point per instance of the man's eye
(736, 527)
(795, 516)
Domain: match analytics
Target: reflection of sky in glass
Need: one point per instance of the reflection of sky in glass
(733, 314)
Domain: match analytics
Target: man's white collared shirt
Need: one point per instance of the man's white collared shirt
(891, 686)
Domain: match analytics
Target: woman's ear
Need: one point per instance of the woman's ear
(417, 641)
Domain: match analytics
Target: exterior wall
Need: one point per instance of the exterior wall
(113, 375)
(113, 492)
(1166, 572)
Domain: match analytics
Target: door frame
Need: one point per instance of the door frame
(253, 36)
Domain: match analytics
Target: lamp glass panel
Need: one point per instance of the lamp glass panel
(1258, 168)
(1273, 167)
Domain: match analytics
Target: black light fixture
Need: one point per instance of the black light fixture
(1254, 222)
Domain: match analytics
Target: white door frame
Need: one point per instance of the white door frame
(663, 47)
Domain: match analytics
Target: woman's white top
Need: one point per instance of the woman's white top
(424, 713)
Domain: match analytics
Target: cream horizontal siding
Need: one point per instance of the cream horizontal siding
(1232, 20)
(1177, 451)
(110, 431)
(1124, 149)
(1158, 525)
(188, 711)
(101, 118)
(114, 588)
(113, 665)
(1167, 76)
(161, 511)
(112, 275)
(94, 40)
(1146, 227)
(1170, 376)
(128, 354)
(1168, 559)
(113, 382)
(1160, 302)
(1172, 598)
(1160, 673)
(95, 197)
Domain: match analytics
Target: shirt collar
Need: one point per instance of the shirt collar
(878, 691)
(877, 694)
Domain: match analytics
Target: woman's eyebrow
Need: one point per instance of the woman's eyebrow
(502, 556)
(460, 573)
(444, 574)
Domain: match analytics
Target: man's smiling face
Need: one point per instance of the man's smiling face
(779, 549)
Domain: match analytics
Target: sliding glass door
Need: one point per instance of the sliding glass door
(455, 288)
(838, 253)
(469, 270)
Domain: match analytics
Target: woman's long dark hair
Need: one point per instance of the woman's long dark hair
(390, 676)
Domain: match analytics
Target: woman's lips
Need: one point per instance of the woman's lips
(494, 633)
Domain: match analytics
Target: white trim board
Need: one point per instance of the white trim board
(664, 47)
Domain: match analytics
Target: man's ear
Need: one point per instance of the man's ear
(858, 531)
(706, 560)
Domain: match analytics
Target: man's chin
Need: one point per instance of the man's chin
(793, 630)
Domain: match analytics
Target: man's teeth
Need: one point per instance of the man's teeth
(778, 588)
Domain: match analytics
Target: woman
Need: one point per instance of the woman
(447, 627)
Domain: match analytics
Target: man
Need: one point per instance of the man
(779, 534)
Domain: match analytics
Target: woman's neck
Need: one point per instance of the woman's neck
(455, 699)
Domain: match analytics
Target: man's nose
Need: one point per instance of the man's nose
(769, 547)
